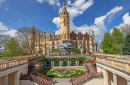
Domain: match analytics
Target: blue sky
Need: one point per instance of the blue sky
(101, 15)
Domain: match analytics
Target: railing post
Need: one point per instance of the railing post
(92, 74)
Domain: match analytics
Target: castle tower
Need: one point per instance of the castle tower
(32, 40)
(64, 21)
(93, 41)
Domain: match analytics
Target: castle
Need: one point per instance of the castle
(48, 42)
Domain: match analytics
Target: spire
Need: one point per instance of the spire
(32, 28)
(64, 8)
(92, 31)
(64, 4)
(49, 31)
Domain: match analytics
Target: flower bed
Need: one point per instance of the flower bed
(64, 73)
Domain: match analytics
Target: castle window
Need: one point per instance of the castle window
(53, 43)
(80, 42)
(65, 37)
(75, 42)
(84, 42)
(40, 48)
(53, 48)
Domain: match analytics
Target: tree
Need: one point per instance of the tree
(113, 43)
(4, 39)
(13, 48)
(125, 29)
(107, 43)
(23, 37)
(76, 50)
(118, 40)
(126, 48)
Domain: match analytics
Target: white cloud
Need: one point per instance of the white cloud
(10, 32)
(1, 1)
(126, 20)
(56, 20)
(5, 30)
(40, 1)
(2, 27)
(77, 8)
(51, 2)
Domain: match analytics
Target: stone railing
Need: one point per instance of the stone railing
(80, 79)
(9, 64)
(115, 63)
(39, 80)
(16, 57)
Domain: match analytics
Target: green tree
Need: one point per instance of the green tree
(118, 41)
(126, 48)
(113, 43)
(107, 43)
(14, 48)
(76, 50)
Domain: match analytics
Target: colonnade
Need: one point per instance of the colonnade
(61, 63)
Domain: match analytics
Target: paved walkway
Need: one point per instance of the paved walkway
(62, 81)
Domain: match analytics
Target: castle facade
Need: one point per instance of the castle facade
(48, 42)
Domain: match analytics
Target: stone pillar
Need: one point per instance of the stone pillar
(51, 64)
(17, 77)
(128, 82)
(114, 79)
(6, 80)
(68, 63)
(59, 63)
(105, 77)
(78, 62)
(45, 64)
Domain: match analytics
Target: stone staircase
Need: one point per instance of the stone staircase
(90, 67)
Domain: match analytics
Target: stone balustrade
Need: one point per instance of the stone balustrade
(9, 64)
(125, 66)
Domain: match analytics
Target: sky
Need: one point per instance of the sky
(100, 15)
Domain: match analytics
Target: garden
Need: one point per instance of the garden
(64, 73)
